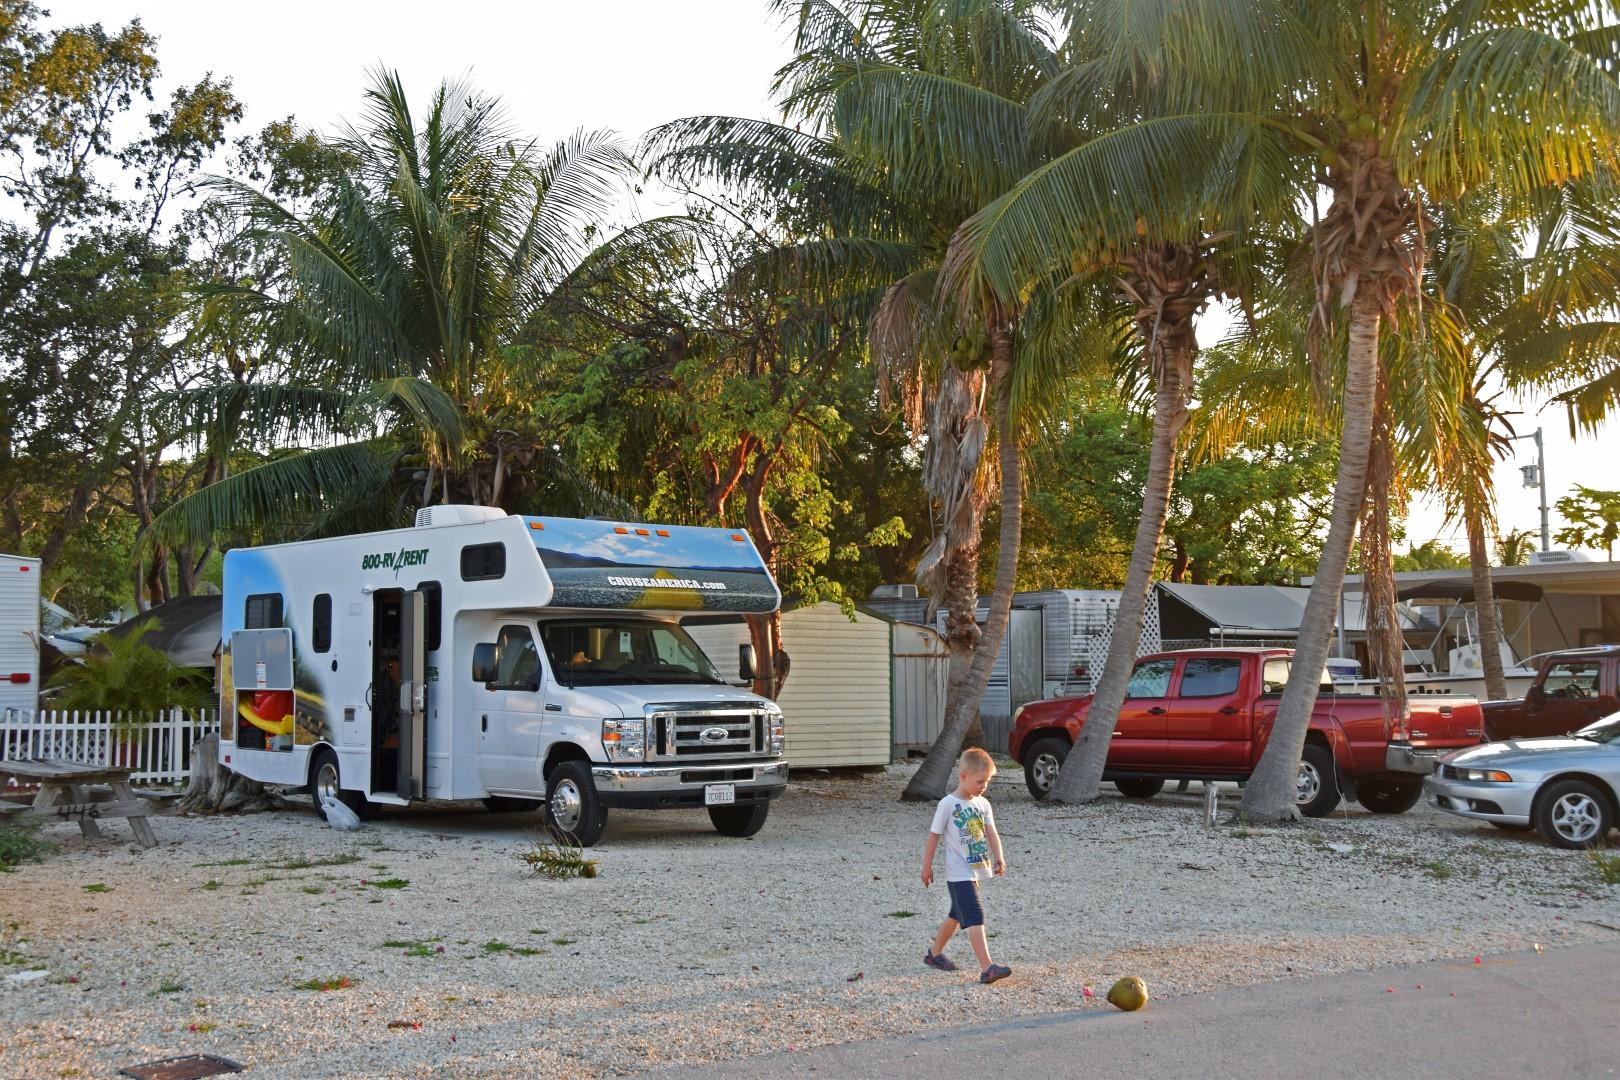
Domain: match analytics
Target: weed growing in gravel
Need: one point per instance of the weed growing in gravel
(204, 1027)
(222, 862)
(340, 982)
(99, 886)
(19, 843)
(415, 947)
(493, 947)
(211, 885)
(524, 950)
(304, 862)
(314, 890)
(1241, 834)
(1606, 866)
(561, 941)
(389, 883)
(1440, 871)
(170, 986)
(901, 914)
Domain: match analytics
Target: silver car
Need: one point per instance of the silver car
(1565, 787)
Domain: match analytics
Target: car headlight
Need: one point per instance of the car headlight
(625, 740)
(1488, 776)
(776, 735)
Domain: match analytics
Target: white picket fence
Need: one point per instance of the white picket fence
(157, 746)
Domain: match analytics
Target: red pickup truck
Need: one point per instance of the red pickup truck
(1573, 688)
(1206, 714)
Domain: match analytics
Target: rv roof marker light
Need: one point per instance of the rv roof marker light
(737, 537)
(621, 530)
(537, 525)
(662, 532)
(643, 532)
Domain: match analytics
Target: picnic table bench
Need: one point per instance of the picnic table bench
(67, 792)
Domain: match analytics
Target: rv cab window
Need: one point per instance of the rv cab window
(517, 661)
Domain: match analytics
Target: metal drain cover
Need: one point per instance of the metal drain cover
(190, 1067)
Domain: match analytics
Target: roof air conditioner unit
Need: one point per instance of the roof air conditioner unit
(1544, 558)
(430, 517)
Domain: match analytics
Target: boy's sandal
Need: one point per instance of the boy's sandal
(994, 972)
(943, 963)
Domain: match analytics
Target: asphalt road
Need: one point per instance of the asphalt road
(1553, 1014)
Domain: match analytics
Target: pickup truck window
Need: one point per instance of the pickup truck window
(1573, 679)
(1276, 676)
(1213, 677)
(1150, 678)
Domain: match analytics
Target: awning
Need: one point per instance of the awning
(1462, 591)
(1269, 610)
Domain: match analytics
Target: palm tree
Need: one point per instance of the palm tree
(394, 298)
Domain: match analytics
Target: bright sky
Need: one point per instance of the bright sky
(627, 66)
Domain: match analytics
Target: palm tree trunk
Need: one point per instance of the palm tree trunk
(1270, 793)
(962, 633)
(933, 777)
(1081, 775)
(1490, 630)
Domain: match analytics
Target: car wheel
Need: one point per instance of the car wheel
(1572, 814)
(1316, 791)
(739, 820)
(325, 778)
(1041, 764)
(1140, 787)
(573, 809)
(507, 804)
(1385, 796)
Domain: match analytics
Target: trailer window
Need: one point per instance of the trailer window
(433, 601)
(1213, 677)
(322, 633)
(483, 562)
(263, 612)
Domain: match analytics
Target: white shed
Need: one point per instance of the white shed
(19, 634)
(837, 698)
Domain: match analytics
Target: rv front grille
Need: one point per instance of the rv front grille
(705, 732)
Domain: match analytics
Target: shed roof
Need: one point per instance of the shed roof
(188, 629)
(1267, 609)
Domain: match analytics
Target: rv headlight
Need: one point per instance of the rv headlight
(776, 735)
(625, 740)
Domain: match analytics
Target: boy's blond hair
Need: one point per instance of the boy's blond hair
(976, 762)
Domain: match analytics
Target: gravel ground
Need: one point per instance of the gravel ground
(692, 947)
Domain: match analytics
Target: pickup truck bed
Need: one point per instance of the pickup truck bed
(1207, 714)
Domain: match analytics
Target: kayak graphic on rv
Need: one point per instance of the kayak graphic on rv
(525, 661)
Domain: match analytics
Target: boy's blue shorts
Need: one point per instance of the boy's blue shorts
(965, 906)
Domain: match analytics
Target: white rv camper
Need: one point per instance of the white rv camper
(19, 634)
(482, 655)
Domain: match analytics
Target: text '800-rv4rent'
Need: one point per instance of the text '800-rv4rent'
(482, 655)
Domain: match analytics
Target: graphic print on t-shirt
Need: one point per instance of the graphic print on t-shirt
(969, 823)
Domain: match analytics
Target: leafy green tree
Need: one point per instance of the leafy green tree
(124, 673)
(1513, 547)
(1594, 519)
(1431, 555)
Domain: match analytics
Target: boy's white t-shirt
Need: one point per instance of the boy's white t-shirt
(965, 825)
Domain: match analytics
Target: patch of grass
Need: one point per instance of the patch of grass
(223, 862)
(524, 950)
(1241, 833)
(542, 933)
(415, 947)
(170, 986)
(561, 941)
(314, 890)
(901, 914)
(1440, 871)
(493, 947)
(1606, 866)
(20, 843)
(305, 862)
(389, 883)
(377, 866)
(211, 884)
(338, 982)
(204, 1027)
(99, 886)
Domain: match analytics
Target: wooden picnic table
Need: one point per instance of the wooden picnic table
(66, 793)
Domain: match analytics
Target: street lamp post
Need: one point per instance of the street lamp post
(1536, 476)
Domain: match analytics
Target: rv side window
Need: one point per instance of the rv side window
(263, 612)
(483, 562)
(322, 632)
(433, 601)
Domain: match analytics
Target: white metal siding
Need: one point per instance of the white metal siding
(19, 632)
(921, 672)
(836, 702)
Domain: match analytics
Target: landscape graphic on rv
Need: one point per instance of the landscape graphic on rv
(593, 564)
(254, 574)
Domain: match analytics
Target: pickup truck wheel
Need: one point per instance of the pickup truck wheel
(739, 820)
(509, 804)
(1317, 789)
(573, 809)
(1389, 796)
(1041, 764)
(1572, 814)
(1140, 787)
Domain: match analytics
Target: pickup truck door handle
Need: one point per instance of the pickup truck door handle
(553, 708)
(483, 723)
(1230, 710)
(1156, 711)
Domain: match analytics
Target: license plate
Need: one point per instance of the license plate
(719, 794)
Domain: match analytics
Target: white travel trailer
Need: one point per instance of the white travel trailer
(19, 634)
(525, 661)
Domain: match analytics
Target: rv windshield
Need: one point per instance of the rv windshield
(606, 652)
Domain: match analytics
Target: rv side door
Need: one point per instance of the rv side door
(412, 696)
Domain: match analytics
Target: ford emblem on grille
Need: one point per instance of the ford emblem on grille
(713, 734)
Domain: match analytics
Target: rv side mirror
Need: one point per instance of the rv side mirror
(745, 663)
(483, 668)
(1535, 696)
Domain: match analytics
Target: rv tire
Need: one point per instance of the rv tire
(745, 820)
(573, 809)
(325, 778)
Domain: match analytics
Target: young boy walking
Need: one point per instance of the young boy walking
(972, 853)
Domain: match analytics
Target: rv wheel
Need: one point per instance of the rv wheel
(739, 820)
(572, 805)
(324, 780)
